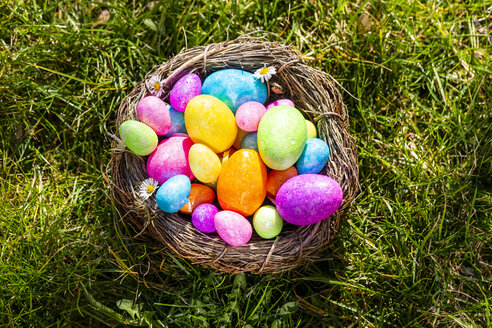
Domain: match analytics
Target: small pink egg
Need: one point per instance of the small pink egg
(155, 113)
(233, 228)
(170, 158)
(187, 87)
(279, 102)
(249, 114)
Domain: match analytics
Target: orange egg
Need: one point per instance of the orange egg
(242, 182)
(277, 178)
(199, 194)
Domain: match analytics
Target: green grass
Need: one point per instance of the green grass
(416, 250)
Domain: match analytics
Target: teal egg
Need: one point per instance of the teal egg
(282, 135)
(234, 87)
(250, 141)
(138, 137)
(173, 193)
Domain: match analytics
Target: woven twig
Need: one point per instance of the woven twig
(314, 93)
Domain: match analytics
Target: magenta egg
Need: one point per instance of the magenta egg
(308, 198)
(155, 113)
(249, 114)
(279, 102)
(203, 217)
(170, 158)
(187, 87)
(233, 228)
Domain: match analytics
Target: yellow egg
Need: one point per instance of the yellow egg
(204, 163)
(311, 130)
(210, 122)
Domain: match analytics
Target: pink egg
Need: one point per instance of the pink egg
(155, 113)
(279, 102)
(233, 228)
(170, 158)
(249, 114)
(187, 87)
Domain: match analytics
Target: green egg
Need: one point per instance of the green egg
(267, 222)
(282, 135)
(138, 137)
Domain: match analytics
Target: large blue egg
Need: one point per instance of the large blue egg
(314, 157)
(177, 122)
(174, 193)
(234, 87)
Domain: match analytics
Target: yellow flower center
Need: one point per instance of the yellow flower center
(150, 189)
(264, 70)
(157, 86)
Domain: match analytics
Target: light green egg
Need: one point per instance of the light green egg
(138, 137)
(267, 222)
(282, 134)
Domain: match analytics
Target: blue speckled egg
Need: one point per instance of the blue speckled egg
(314, 157)
(177, 122)
(234, 87)
(174, 193)
(250, 141)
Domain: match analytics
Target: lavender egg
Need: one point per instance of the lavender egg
(187, 87)
(155, 113)
(203, 217)
(308, 198)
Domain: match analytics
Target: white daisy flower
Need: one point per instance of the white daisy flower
(265, 73)
(147, 188)
(155, 85)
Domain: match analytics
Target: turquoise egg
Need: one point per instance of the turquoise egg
(250, 141)
(314, 157)
(282, 135)
(173, 194)
(138, 137)
(177, 122)
(234, 87)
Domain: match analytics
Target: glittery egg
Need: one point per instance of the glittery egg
(249, 114)
(199, 194)
(203, 217)
(187, 87)
(233, 228)
(276, 179)
(204, 163)
(314, 157)
(155, 113)
(250, 141)
(267, 222)
(279, 102)
(311, 129)
(138, 137)
(177, 122)
(173, 193)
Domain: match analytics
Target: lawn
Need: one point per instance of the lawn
(415, 250)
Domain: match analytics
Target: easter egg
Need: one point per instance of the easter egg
(267, 222)
(187, 87)
(311, 129)
(279, 102)
(228, 153)
(173, 193)
(210, 122)
(250, 141)
(233, 228)
(155, 113)
(276, 179)
(282, 135)
(138, 137)
(314, 157)
(177, 122)
(204, 163)
(239, 138)
(241, 186)
(234, 87)
(170, 159)
(249, 114)
(199, 194)
(203, 217)
(308, 198)
(212, 185)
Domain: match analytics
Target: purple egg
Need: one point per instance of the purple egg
(203, 217)
(233, 228)
(308, 198)
(187, 87)
(279, 102)
(155, 113)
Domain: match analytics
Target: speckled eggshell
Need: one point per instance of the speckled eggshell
(249, 114)
(204, 163)
(308, 198)
(199, 194)
(276, 179)
(267, 222)
(138, 137)
(250, 141)
(155, 113)
(170, 159)
(203, 217)
(311, 129)
(314, 157)
(279, 102)
(233, 228)
(187, 87)
(177, 122)
(173, 194)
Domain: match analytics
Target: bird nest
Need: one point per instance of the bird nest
(315, 94)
